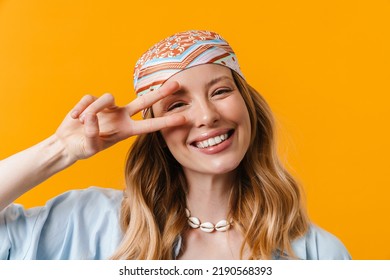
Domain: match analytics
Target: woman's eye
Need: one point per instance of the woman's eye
(221, 91)
(175, 105)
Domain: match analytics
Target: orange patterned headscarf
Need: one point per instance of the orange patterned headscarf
(179, 52)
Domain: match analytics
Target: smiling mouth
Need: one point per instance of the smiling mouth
(213, 141)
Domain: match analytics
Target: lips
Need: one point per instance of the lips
(212, 141)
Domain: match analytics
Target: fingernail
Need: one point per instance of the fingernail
(82, 117)
(74, 114)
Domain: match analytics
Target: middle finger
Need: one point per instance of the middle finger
(147, 100)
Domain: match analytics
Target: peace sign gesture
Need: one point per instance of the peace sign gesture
(95, 124)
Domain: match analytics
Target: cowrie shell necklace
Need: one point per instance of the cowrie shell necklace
(194, 222)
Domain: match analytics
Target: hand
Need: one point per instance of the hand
(95, 124)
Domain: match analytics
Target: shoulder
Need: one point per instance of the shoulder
(318, 244)
(85, 212)
(84, 203)
(78, 224)
(90, 197)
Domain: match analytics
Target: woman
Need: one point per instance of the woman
(205, 152)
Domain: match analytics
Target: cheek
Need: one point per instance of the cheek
(173, 136)
(237, 110)
(240, 113)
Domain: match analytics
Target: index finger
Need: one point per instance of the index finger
(147, 100)
(154, 124)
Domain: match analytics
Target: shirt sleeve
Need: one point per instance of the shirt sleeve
(319, 244)
(80, 224)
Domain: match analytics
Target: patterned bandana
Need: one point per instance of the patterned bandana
(179, 52)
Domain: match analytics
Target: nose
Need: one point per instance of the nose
(205, 113)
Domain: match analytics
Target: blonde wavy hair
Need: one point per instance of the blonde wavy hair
(266, 203)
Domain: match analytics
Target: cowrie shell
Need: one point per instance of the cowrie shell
(222, 225)
(207, 227)
(194, 222)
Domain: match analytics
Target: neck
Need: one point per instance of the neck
(208, 195)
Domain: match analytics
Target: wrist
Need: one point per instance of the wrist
(56, 157)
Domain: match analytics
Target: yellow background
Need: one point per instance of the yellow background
(322, 65)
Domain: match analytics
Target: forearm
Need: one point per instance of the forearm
(26, 169)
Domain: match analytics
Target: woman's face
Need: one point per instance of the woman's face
(217, 133)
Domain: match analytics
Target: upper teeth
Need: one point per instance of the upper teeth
(212, 141)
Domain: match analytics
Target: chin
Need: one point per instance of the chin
(224, 168)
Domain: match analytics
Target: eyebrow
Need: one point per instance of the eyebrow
(218, 79)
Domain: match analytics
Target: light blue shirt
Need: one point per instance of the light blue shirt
(84, 224)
